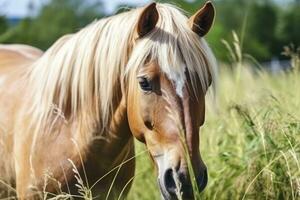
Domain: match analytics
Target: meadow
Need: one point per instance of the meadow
(250, 141)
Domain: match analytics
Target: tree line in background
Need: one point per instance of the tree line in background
(264, 26)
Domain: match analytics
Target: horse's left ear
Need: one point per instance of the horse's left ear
(202, 21)
(147, 20)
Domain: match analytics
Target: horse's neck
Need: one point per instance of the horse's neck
(119, 128)
(117, 135)
(116, 146)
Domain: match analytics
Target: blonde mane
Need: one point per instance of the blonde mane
(79, 73)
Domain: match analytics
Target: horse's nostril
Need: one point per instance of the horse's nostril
(169, 182)
(202, 180)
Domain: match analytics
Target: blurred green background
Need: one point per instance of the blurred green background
(264, 26)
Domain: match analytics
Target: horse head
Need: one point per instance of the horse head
(166, 95)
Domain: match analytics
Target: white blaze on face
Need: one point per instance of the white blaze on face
(179, 81)
(163, 164)
(179, 86)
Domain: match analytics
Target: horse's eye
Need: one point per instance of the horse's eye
(145, 84)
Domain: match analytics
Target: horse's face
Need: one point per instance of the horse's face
(166, 115)
(164, 120)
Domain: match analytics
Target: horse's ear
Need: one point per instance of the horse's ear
(147, 20)
(202, 21)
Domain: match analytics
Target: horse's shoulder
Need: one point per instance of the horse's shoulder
(16, 54)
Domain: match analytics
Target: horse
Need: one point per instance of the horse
(69, 116)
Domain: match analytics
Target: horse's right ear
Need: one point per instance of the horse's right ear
(147, 20)
(202, 21)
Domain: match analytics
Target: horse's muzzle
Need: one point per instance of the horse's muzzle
(173, 184)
